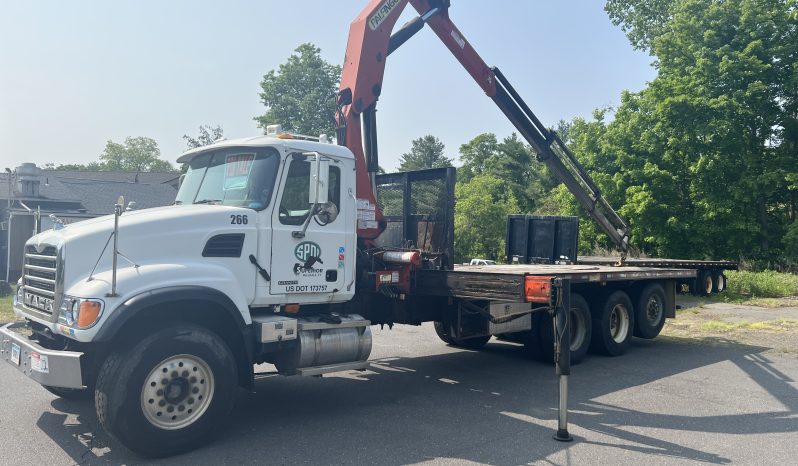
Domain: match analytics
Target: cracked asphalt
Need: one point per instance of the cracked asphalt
(668, 401)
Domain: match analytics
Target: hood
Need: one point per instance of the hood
(173, 234)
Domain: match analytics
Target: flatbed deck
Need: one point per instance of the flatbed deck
(656, 262)
(506, 282)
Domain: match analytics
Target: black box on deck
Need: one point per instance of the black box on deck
(538, 239)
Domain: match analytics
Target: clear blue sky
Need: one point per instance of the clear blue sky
(76, 74)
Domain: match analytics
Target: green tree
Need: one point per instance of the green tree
(300, 94)
(476, 155)
(702, 161)
(641, 20)
(207, 135)
(510, 160)
(139, 154)
(481, 209)
(426, 152)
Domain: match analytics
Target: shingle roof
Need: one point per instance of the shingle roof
(130, 177)
(99, 197)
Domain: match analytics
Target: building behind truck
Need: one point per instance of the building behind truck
(29, 192)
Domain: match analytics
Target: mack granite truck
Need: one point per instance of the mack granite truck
(284, 249)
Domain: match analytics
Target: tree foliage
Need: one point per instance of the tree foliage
(139, 154)
(425, 152)
(702, 162)
(207, 135)
(481, 209)
(136, 154)
(510, 160)
(299, 95)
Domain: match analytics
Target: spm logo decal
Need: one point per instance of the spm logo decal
(307, 249)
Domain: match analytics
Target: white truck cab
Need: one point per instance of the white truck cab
(165, 310)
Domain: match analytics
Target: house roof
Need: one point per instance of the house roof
(99, 197)
(129, 177)
(82, 191)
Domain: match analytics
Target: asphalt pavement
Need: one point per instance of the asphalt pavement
(667, 401)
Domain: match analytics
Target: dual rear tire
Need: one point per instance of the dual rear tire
(613, 325)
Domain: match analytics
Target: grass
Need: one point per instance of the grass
(766, 284)
(6, 313)
(780, 325)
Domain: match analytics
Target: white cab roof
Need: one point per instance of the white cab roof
(285, 145)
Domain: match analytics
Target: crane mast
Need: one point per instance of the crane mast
(371, 41)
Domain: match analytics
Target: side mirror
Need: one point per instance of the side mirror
(319, 181)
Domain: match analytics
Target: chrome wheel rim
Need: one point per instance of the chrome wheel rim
(177, 392)
(654, 310)
(578, 329)
(721, 283)
(619, 323)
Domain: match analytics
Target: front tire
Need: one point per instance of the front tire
(613, 325)
(167, 394)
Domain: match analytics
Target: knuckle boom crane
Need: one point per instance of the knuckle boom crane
(370, 43)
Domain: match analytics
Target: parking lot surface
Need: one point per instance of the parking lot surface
(668, 401)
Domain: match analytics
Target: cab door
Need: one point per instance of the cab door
(311, 267)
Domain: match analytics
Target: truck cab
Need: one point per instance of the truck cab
(183, 300)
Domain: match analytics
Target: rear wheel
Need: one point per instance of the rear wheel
(650, 311)
(580, 326)
(613, 325)
(445, 331)
(703, 284)
(720, 282)
(169, 392)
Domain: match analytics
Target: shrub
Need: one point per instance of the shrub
(766, 284)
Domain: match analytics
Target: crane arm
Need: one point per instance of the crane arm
(371, 41)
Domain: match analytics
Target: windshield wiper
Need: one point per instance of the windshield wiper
(208, 201)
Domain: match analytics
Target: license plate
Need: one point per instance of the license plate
(15, 353)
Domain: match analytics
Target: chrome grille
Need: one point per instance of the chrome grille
(41, 278)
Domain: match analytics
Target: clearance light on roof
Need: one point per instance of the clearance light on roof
(537, 289)
(276, 131)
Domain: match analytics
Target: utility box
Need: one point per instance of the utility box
(538, 239)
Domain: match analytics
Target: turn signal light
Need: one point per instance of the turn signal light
(537, 289)
(89, 313)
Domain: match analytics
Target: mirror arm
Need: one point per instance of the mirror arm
(313, 210)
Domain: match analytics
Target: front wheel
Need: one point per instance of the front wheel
(169, 392)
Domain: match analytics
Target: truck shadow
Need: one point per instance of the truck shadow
(494, 406)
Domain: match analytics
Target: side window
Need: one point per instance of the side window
(294, 206)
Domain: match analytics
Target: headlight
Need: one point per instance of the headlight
(80, 312)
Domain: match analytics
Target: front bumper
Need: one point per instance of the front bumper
(48, 367)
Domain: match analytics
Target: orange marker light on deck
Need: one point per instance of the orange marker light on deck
(89, 313)
(537, 289)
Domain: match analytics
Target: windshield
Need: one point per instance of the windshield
(242, 177)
